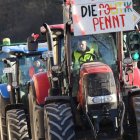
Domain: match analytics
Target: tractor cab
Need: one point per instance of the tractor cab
(27, 60)
(103, 44)
(20, 64)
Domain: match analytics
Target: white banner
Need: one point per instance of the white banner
(94, 17)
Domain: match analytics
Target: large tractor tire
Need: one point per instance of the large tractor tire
(36, 119)
(16, 122)
(3, 129)
(58, 121)
(136, 105)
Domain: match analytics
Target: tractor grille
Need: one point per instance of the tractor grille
(99, 84)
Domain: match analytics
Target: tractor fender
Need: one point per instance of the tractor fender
(131, 93)
(15, 106)
(4, 92)
(41, 87)
(136, 78)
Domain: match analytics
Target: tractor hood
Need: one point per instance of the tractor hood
(94, 67)
(97, 81)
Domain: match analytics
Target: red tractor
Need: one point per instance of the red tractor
(108, 91)
(96, 107)
(50, 115)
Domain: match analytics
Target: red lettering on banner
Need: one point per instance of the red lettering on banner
(100, 7)
(106, 7)
(107, 12)
(108, 22)
(122, 19)
(101, 19)
(112, 8)
(115, 20)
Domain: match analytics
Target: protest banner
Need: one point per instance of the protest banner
(93, 17)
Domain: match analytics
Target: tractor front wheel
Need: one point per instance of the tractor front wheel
(59, 124)
(16, 122)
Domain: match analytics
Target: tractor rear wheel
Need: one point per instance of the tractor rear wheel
(58, 120)
(136, 105)
(16, 122)
(3, 130)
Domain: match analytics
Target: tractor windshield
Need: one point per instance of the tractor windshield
(29, 66)
(103, 45)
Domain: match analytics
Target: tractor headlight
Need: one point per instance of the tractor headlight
(108, 99)
(9, 88)
(102, 99)
(97, 100)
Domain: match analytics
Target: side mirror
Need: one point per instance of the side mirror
(32, 42)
